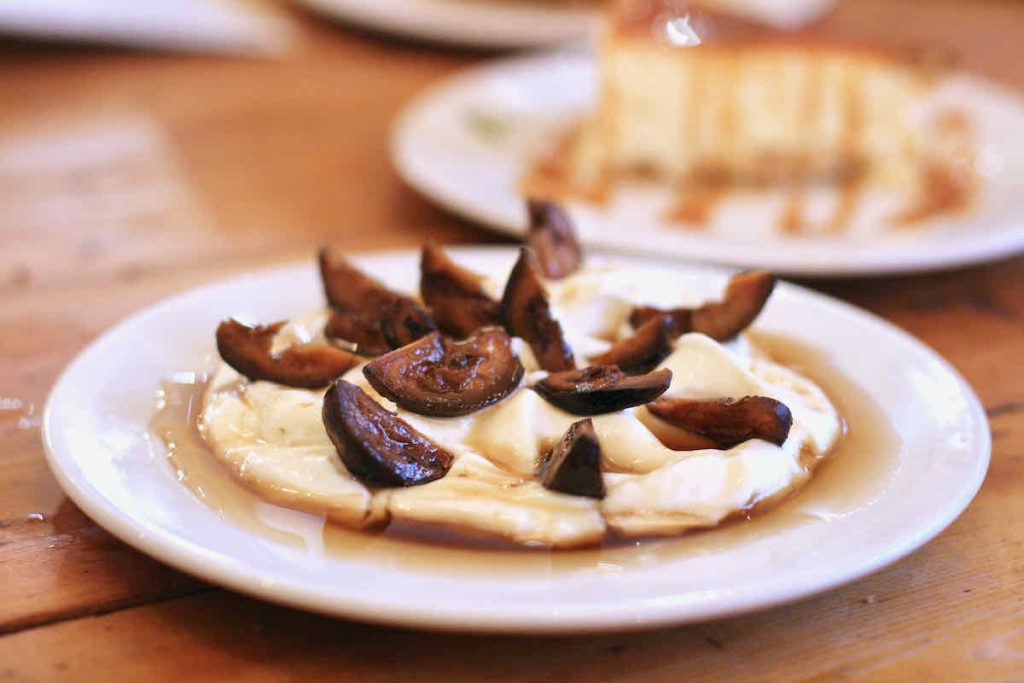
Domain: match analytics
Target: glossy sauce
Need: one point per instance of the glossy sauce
(949, 182)
(695, 204)
(855, 474)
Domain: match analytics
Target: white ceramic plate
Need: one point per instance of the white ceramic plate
(471, 23)
(99, 446)
(466, 143)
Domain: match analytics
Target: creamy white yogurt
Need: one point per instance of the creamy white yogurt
(272, 437)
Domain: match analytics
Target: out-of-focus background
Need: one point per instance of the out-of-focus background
(181, 134)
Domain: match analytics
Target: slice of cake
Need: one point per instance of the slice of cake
(690, 94)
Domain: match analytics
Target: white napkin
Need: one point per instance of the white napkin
(239, 26)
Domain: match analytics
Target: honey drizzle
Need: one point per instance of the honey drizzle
(854, 475)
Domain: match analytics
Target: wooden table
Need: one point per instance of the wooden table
(125, 177)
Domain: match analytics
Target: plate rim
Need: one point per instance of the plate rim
(905, 259)
(220, 569)
(570, 24)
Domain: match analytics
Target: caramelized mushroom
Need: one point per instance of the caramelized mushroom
(378, 447)
(727, 422)
(247, 350)
(601, 389)
(455, 295)
(528, 315)
(402, 319)
(350, 289)
(574, 464)
(645, 349)
(552, 238)
(442, 378)
(745, 296)
(361, 331)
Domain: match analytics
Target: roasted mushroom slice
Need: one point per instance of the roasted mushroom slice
(645, 349)
(358, 329)
(248, 350)
(574, 464)
(378, 447)
(349, 289)
(745, 296)
(727, 422)
(443, 378)
(402, 319)
(601, 389)
(553, 239)
(528, 315)
(454, 294)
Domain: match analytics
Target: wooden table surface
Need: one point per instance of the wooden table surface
(125, 177)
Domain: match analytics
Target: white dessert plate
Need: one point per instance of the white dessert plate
(466, 144)
(855, 516)
(470, 23)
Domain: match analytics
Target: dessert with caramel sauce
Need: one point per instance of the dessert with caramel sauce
(707, 100)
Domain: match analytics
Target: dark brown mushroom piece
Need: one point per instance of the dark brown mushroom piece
(601, 389)
(726, 422)
(310, 366)
(574, 465)
(349, 289)
(552, 238)
(745, 296)
(455, 295)
(376, 446)
(442, 378)
(402, 319)
(642, 352)
(528, 315)
(359, 330)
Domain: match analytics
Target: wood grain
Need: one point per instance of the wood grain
(185, 170)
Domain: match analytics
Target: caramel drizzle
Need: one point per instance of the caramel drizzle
(695, 203)
(791, 218)
(948, 184)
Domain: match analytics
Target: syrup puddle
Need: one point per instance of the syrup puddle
(854, 476)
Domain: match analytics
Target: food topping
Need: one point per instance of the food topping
(443, 378)
(362, 332)
(248, 350)
(601, 389)
(651, 343)
(402, 319)
(745, 296)
(528, 315)
(455, 295)
(378, 447)
(552, 238)
(726, 422)
(574, 464)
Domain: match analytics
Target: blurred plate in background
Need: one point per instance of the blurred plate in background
(229, 26)
(467, 143)
(471, 23)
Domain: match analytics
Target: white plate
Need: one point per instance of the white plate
(98, 444)
(471, 23)
(466, 143)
